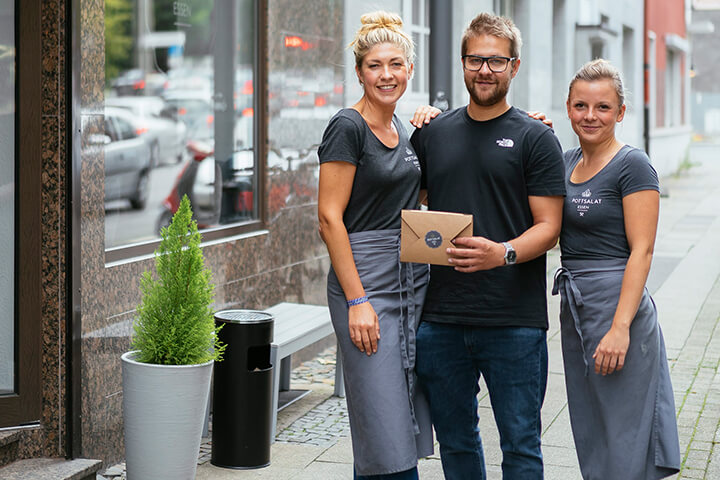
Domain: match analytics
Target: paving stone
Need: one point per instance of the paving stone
(697, 459)
(560, 456)
(326, 471)
(565, 473)
(692, 473)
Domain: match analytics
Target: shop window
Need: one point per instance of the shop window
(655, 113)
(673, 87)
(306, 87)
(503, 8)
(597, 49)
(180, 95)
(559, 61)
(628, 60)
(416, 14)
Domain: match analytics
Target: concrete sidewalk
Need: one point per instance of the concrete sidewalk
(312, 433)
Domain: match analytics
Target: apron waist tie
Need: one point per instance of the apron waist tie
(571, 294)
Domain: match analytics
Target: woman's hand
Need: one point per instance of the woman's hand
(610, 353)
(424, 114)
(541, 116)
(364, 327)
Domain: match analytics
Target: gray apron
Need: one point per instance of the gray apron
(623, 423)
(389, 417)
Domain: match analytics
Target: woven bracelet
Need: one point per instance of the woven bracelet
(357, 301)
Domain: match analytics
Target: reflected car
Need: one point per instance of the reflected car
(204, 131)
(189, 79)
(191, 107)
(220, 192)
(127, 159)
(166, 135)
(137, 82)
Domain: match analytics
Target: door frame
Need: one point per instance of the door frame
(24, 406)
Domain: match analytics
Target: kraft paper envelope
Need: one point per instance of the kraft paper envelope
(425, 235)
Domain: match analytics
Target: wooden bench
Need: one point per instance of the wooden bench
(297, 326)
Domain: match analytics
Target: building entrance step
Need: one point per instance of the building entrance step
(51, 469)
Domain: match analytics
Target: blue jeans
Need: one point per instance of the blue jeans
(513, 361)
(411, 474)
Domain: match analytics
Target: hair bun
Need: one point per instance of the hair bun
(381, 27)
(381, 19)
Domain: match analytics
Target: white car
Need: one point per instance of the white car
(127, 159)
(165, 135)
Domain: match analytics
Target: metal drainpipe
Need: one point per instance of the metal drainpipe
(441, 61)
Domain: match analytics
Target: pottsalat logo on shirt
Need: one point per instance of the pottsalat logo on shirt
(585, 201)
(411, 157)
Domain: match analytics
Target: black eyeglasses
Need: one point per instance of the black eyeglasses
(496, 64)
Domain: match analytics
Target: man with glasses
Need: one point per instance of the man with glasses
(487, 314)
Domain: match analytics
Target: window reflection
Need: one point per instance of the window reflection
(306, 87)
(179, 116)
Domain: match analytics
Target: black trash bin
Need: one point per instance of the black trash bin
(242, 391)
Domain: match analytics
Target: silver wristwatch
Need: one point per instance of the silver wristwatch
(510, 254)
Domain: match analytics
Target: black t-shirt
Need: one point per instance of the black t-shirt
(593, 220)
(488, 169)
(387, 180)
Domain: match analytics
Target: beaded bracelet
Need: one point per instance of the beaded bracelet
(357, 301)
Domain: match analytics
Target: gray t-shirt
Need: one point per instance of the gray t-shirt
(593, 223)
(386, 181)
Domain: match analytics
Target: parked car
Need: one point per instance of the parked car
(137, 82)
(127, 159)
(191, 107)
(167, 136)
(184, 79)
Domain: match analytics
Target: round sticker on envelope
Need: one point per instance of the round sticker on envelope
(433, 239)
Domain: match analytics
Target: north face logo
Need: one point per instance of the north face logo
(505, 142)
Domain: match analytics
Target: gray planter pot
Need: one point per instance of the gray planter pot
(163, 410)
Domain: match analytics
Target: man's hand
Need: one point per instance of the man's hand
(423, 115)
(541, 116)
(472, 254)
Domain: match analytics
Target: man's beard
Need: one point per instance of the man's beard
(498, 93)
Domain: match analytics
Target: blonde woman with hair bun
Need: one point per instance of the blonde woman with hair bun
(368, 173)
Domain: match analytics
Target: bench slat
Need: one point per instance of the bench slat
(295, 320)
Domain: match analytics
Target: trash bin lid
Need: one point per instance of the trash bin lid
(244, 316)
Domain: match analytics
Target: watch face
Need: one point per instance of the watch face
(510, 255)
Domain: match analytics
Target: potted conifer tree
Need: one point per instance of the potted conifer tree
(166, 375)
